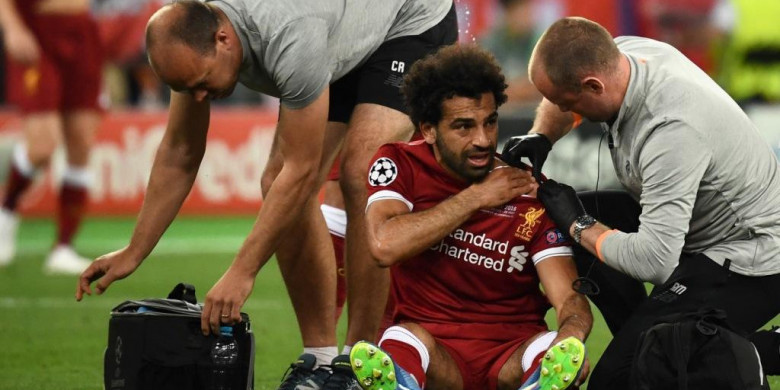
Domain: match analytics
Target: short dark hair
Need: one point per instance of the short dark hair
(456, 70)
(196, 28)
(572, 47)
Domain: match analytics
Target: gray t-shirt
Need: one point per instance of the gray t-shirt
(705, 178)
(294, 48)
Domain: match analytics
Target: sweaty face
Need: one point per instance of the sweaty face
(465, 137)
(203, 76)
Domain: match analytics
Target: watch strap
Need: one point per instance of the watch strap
(581, 223)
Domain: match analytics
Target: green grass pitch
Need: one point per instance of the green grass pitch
(48, 340)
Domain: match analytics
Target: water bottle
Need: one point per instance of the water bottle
(142, 309)
(224, 356)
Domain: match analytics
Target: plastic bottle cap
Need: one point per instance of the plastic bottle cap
(226, 330)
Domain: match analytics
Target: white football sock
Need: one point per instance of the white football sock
(324, 355)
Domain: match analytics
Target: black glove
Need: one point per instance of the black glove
(534, 146)
(561, 203)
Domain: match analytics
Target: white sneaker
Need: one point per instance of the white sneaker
(64, 260)
(9, 222)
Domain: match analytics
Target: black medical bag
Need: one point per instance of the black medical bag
(156, 344)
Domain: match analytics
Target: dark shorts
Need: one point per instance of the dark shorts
(69, 74)
(380, 78)
(697, 283)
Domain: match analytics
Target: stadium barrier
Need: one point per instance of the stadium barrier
(239, 143)
(228, 182)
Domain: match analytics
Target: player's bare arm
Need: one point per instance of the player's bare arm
(571, 308)
(173, 174)
(300, 136)
(396, 234)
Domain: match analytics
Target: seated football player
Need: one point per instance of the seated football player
(468, 246)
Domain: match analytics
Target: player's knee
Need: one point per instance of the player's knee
(352, 179)
(412, 335)
(40, 153)
(78, 153)
(269, 175)
(354, 167)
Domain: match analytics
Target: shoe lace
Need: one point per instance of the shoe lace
(293, 376)
(341, 379)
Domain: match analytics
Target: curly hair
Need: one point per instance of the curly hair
(456, 70)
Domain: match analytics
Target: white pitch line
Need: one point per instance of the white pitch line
(70, 303)
(166, 246)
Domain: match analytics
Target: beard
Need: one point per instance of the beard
(459, 163)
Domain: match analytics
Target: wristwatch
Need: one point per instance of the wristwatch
(581, 223)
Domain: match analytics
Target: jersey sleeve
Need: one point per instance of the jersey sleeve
(390, 176)
(548, 241)
(297, 61)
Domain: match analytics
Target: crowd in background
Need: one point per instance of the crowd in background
(735, 41)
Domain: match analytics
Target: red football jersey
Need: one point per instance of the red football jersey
(26, 9)
(483, 272)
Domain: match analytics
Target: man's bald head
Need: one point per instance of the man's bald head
(571, 49)
(191, 23)
(193, 48)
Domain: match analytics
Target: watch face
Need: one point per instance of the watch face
(582, 223)
(585, 221)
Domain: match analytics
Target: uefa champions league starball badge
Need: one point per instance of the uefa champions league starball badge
(382, 172)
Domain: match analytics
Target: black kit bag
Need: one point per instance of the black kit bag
(157, 344)
(697, 351)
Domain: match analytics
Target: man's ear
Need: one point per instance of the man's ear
(428, 131)
(593, 85)
(222, 37)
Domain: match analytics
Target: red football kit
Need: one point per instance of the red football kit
(476, 290)
(68, 75)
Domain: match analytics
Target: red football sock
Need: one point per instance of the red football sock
(407, 357)
(341, 274)
(15, 187)
(73, 202)
(537, 361)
